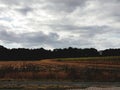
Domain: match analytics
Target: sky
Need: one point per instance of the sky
(60, 23)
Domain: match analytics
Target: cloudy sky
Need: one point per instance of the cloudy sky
(60, 23)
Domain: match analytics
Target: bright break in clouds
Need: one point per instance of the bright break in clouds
(60, 23)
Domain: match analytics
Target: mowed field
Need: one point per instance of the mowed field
(81, 69)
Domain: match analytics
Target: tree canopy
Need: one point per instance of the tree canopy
(41, 53)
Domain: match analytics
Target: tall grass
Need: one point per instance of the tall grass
(95, 71)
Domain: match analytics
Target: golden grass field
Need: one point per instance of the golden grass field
(77, 62)
(91, 69)
(82, 69)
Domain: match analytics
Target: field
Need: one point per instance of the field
(78, 69)
(90, 69)
(108, 58)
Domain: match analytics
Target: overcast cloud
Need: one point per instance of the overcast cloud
(60, 23)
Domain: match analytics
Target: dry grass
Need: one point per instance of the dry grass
(57, 69)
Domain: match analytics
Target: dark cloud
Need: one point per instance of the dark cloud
(8, 37)
(33, 37)
(29, 39)
(39, 39)
(24, 10)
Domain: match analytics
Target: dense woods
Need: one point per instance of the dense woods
(41, 53)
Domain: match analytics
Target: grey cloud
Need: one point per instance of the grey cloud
(110, 9)
(56, 5)
(70, 27)
(28, 38)
(10, 2)
(64, 5)
(8, 37)
(39, 38)
(22, 6)
(24, 10)
(60, 15)
(90, 31)
(19, 2)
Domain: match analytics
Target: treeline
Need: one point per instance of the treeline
(41, 53)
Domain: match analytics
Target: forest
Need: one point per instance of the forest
(25, 54)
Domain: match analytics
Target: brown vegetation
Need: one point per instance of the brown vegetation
(61, 70)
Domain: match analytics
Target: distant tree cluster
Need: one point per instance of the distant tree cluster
(40, 53)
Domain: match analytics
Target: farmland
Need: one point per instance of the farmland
(59, 71)
(107, 58)
(73, 69)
